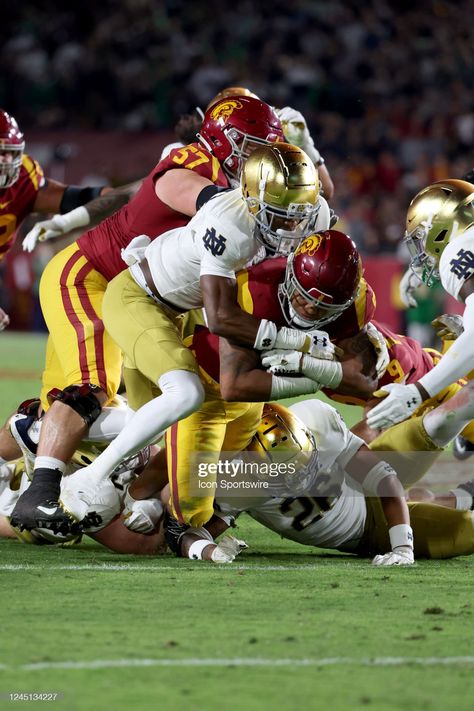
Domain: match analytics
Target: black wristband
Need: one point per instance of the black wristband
(207, 193)
(75, 196)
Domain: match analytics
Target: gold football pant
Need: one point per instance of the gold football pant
(79, 349)
(217, 426)
(438, 532)
(408, 448)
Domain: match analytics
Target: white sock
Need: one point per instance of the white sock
(182, 394)
(50, 463)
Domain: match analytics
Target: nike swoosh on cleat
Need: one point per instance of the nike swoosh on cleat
(50, 512)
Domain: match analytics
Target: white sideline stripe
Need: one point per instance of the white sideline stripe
(156, 568)
(244, 662)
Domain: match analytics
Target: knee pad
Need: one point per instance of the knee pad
(81, 398)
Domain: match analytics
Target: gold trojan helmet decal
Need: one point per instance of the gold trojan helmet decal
(225, 108)
(310, 245)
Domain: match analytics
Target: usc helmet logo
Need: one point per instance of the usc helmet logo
(310, 245)
(225, 108)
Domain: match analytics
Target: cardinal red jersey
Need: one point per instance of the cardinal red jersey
(408, 360)
(17, 201)
(146, 214)
(257, 294)
(408, 363)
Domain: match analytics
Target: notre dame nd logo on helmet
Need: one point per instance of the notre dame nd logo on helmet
(224, 109)
(310, 245)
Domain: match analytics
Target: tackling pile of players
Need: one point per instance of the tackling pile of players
(214, 286)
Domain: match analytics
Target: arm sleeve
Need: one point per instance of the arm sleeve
(458, 360)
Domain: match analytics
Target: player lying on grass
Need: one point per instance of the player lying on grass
(109, 501)
(113, 517)
(338, 516)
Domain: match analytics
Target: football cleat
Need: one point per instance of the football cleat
(462, 448)
(49, 519)
(25, 430)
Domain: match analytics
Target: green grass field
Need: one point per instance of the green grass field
(286, 627)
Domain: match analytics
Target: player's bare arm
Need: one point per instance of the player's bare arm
(179, 189)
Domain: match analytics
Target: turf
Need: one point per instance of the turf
(286, 627)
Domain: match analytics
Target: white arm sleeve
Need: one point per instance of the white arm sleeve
(458, 360)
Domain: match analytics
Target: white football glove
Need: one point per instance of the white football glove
(56, 227)
(409, 283)
(322, 371)
(380, 347)
(228, 549)
(296, 132)
(4, 320)
(141, 515)
(401, 403)
(321, 346)
(448, 327)
(281, 362)
(402, 555)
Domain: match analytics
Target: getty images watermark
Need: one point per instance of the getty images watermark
(247, 474)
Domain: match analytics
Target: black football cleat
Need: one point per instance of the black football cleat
(462, 448)
(30, 505)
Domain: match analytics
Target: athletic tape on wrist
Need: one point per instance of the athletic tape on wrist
(401, 535)
(196, 549)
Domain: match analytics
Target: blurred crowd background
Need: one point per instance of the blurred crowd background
(387, 88)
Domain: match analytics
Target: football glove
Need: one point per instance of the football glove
(402, 555)
(381, 351)
(56, 227)
(409, 283)
(448, 327)
(141, 515)
(401, 402)
(228, 549)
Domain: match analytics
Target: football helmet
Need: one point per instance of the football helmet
(436, 215)
(281, 187)
(234, 127)
(12, 143)
(324, 272)
(231, 91)
(282, 438)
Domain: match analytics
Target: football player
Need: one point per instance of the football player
(341, 516)
(25, 190)
(196, 266)
(440, 238)
(293, 123)
(83, 362)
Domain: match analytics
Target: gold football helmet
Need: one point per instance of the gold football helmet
(231, 91)
(282, 438)
(437, 215)
(281, 187)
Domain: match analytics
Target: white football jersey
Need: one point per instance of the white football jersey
(219, 240)
(334, 521)
(457, 263)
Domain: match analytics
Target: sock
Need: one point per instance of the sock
(47, 474)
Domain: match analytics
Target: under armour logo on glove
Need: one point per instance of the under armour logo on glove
(320, 346)
(396, 407)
